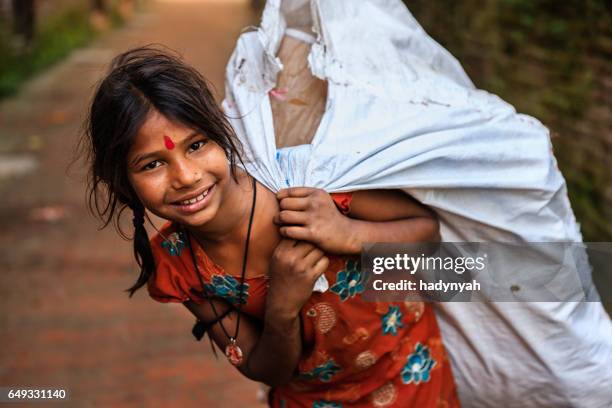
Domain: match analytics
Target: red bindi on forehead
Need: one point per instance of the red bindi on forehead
(168, 142)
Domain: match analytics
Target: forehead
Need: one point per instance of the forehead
(156, 126)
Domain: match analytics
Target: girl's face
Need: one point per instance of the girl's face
(178, 173)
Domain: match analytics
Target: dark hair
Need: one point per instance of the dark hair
(139, 81)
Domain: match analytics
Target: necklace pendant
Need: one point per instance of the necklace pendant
(233, 353)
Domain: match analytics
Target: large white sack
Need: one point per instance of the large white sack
(402, 113)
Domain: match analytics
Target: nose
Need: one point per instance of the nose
(185, 173)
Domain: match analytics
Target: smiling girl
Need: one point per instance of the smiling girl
(244, 260)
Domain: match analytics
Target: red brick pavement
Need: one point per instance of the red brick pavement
(65, 321)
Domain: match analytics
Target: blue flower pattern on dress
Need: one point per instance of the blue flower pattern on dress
(174, 243)
(227, 287)
(418, 366)
(326, 404)
(324, 372)
(349, 281)
(392, 320)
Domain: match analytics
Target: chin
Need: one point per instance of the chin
(195, 222)
(199, 219)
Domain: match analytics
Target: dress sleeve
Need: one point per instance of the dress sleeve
(343, 201)
(167, 284)
(171, 281)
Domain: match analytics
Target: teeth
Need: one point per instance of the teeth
(196, 199)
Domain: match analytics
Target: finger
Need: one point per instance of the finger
(285, 244)
(320, 267)
(301, 249)
(313, 257)
(291, 217)
(294, 192)
(294, 203)
(296, 232)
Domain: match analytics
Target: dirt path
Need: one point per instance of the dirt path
(65, 321)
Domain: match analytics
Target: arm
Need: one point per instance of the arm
(389, 216)
(375, 216)
(272, 348)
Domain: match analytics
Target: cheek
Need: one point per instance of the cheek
(146, 188)
(221, 163)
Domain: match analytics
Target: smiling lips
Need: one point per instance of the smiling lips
(196, 203)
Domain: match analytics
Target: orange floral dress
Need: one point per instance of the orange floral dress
(355, 353)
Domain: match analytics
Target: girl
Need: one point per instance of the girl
(160, 143)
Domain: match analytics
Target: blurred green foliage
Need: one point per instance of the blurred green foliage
(54, 40)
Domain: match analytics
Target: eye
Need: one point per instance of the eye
(152, 165)
(197, 145)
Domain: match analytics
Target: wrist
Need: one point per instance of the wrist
(278, 308)
(279, 305)
(352, 244)
(281, 319)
